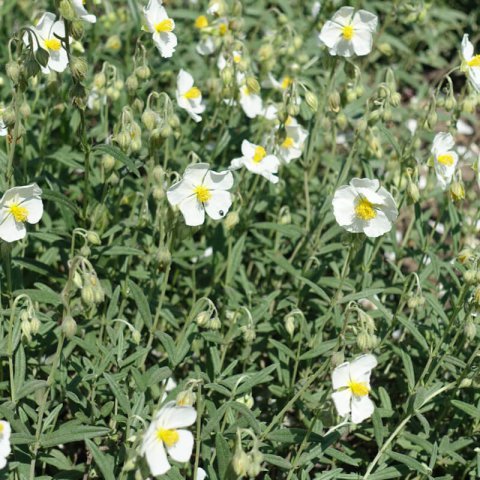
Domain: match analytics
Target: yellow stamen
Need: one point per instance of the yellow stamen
(446, 159)
(359, 389)
(203, 193)
(288, 143)
(289, 121)
(201, 22)
(286, 82)
(259, 154)
(347, 32)
(222, 29)
(19, 213)
(168, 437)
(164, 26)
(365, 210)
(52, 44)
(193, 93)
(237, 58)
(474, 62)
(2, 427)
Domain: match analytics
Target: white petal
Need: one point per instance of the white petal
(467, 48)
(10, 230)
(196, 173)
(182, 450)
(330, 34)
(184, 82)
(248, 149)
(45, 24)
(193, 211)
(166, 42)
(389, 206)
(344, 205)
(58, 61)
(362, 42)
(343, 48)
(341, 376)
(201, 474)
(157, 458)
(343, 16)
(219, 204)
(153, 13)
(58, 29)
(442, 143)
(219, 180)
(237, 163)
(342, 401)
(34, 208)
(179, 192)
(362, 364)
(365, 183)
(362, 408)
(179, 417)
(377, 226)
(251, 104)
(365, 20)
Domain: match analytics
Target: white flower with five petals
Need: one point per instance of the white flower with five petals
(167, 433)
(161, 27)
(349, 33)
(202, 190)
(444, 158)
(189, 97)
(351, 382)
(364, 206)
(256, 159)
(80, 10)
(47, 34)
(18, 206)
(471, 63)
(292, 145)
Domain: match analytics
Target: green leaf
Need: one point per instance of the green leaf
(116, 153)
(104, 463)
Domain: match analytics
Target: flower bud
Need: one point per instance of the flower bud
(231, 220)
(470, 329)
(99, 80)
(79, 67)
(201, 22)
(66, 10)
(25, 110)
(215, 324)
(457, 192)
(158, 174)
(69, 326)
(174, 121)
(253, 85)
(132, 84)
(149, 119)
(77, 279)
(123, 139)
(470, 277)
(13, 71)
(386, 49)
(164, 257)
(311, 100)
(465, 255)
(450, 103)
(113, 43)
(395, 99)
(249, 334)
(246, 400)
(337, 359)
(476, 295)
(26, 329)
(34, 324)
(143, 72)
(342, 121)
(76, 29)
(187, 398)
(88, 295)
(334, 102)
(240, 461)
(136, 337)
(431, 120)
(363, 340)
(93, 238)
(203, 318)
(108, 162)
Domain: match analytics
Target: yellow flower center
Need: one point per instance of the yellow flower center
(19, 213)
(2, 428)
(364, 209)
(474, 62)
(164, 26)
(259, 154)
(222, 29)
(288, 142)
(446, 159)
(52, 44)
(203, 193)
(359, 389)
(286, 82)
(193, 93)
(289, 121)
(168, 437)
(201, 22)
(237, 58)
(347, 32)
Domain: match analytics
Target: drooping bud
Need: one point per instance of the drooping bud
(334, 102)
(69, 326)
(311, 100)
(66, 10)
(93, 237)
(187, 398)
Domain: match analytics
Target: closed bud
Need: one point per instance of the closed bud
(77, 279)
(79, 67)
(334, 102)
(108, 162)
(240, 461)
(214, 323)
(186, 398)
(123, 139)
(158, 192)
(8, 117)
(342, 121)
(203, 318)
(26, 329)
(249, 334)
(136, 336)
(476, 295)
(174, 121)
(289, 322)
(363, 340)
(158, 174)
(231, 220)
(34, 325)
(113, 179)
(25, 110)
(254, 468)
(311, 100)
(93, 238)
(69, 326)
(450, 103)
(85, 251)
(470, 329)
(246, 400)
(457, 192)
(253, 85)
(113, 43)
(470, 277)
(465, 255)
(13, 71)
(143, 72)
(165, 131)
(413, 192)
(395, 99)
(88, 295)
(99, 80)
(468, 105)
(149, 119)
(66, 10)
(227, 75)
(164, 257)
(374, 115)
(351, 95)
(337, 359)
(132, 84)
(386, 49)
(431, 120)
(293, 109)
(76, 29)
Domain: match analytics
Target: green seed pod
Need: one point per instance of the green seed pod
(79, 68)
(76, 29)
(13, 71)
(334, 102)
(311, 100)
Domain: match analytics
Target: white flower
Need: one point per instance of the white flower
(444, 158)
(292, 146)
(206, 46)
(17, 206)
(352, 384)
(167, 432)
(78, 6)
(281, 85)
(236, 57)
(256, 159)
(5, 431)
(161, 26)
(250, 101)
(201, 474)
(47, 35)
(348, 34)
(188, 96)
(471, 63)
(202, 190)
(364, 206)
